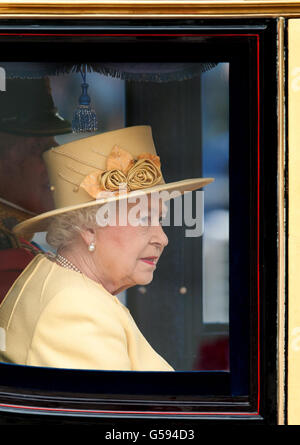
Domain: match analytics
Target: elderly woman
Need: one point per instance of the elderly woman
(63, 310)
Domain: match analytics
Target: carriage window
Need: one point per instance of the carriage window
(150, 111)
(184, 316)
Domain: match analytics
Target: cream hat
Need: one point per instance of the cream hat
(89, 172)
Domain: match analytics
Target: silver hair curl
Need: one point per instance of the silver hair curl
(64, 228)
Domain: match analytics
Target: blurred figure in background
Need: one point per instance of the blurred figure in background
(29, 122)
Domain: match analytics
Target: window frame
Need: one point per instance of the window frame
(263, 267)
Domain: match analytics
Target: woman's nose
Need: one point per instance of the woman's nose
(160, 237)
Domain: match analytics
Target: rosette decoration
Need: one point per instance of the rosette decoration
(123, 174)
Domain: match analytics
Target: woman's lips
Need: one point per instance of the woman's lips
(150, 260)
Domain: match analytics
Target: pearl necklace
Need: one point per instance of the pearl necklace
(62, 261)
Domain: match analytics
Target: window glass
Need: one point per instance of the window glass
(214, 340)
(183, 312)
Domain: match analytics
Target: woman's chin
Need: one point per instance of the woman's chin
(145, 279)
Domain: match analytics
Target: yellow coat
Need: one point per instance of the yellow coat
(56, 317)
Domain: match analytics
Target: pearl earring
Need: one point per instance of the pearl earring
(91, 247)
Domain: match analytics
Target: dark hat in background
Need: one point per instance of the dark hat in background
(27, 108)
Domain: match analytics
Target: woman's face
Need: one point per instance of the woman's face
(127, 255)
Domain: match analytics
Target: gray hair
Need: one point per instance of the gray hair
(64, 228)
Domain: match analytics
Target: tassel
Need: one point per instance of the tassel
(84, 117)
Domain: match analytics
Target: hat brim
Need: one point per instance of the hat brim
(40, 223)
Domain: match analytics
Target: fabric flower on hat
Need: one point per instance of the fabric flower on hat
(112, 180)
(143, 174)
(123, 174)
